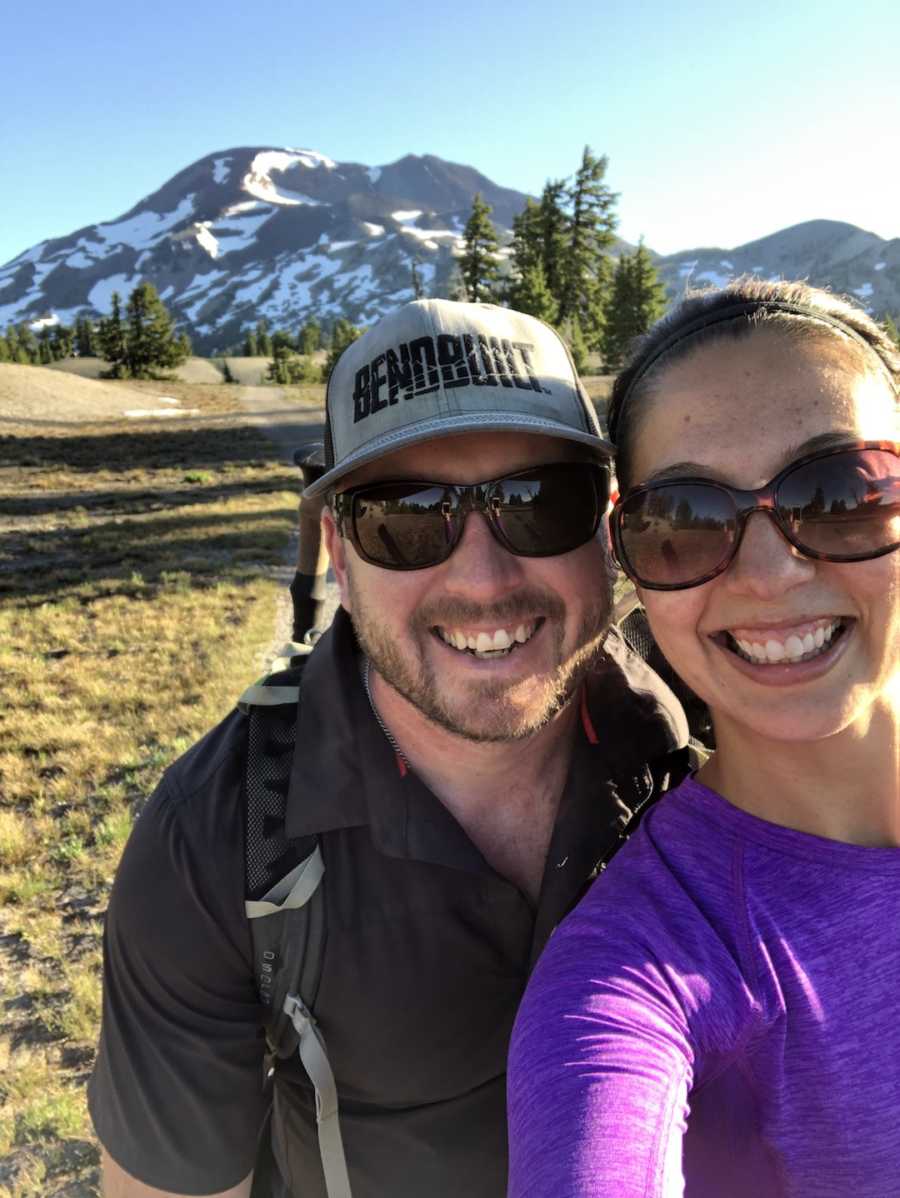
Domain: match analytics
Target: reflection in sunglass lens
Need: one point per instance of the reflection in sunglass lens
(551, 512)
(844, 506)
(677, 533)
(403, 526)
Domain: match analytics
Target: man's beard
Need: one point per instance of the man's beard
(492, 709)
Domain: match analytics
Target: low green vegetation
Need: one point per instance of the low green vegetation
(137, 599)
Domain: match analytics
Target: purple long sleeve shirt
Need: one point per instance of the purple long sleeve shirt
(719, 1018)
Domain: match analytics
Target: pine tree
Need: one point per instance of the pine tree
(591, 226)
(530, 293)
(62, 342)
(111, 339)
(6, 354)
(554, 226)
(151, 344)
(84, 338)
(251, 349)
(342, 335)
(890, 327)
(309, 339)
(281, 337)
(45, 346)
(573, 336)
(27, 348)
(478, 263)
(263, 340)
(636, 299)
(526, 248)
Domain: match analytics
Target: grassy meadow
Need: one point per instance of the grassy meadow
(137, 597)
(138, 593)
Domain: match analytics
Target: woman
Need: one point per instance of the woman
(720, 1017)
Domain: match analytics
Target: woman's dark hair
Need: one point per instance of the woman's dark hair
(714, 315)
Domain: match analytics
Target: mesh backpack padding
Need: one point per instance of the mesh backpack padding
(636, 630)
(269, 853)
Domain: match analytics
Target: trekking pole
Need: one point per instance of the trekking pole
(308, 588)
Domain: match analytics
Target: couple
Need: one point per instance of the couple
(718, 1015)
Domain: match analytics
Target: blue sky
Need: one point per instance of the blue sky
(722, 123)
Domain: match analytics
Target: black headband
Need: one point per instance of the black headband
(721, 316)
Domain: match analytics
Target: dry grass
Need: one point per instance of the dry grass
(137, 590)
(194, 370)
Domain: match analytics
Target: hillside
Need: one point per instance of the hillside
(252, 233)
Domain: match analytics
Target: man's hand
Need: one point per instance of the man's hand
(119, 1184)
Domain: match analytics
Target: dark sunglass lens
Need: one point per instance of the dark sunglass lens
(846, 505)
(676, 534)
(404, 527)
(552, 509)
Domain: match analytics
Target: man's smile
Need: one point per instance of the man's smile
(483, 643)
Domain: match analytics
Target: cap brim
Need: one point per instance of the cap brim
(450, 426)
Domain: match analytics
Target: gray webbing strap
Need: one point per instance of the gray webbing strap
(300, 885)
(268, 696)
(314, 1058)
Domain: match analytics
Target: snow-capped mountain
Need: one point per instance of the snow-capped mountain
(827, 253)
(250, 233)
(285, 234)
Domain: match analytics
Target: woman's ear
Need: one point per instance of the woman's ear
(337, 551)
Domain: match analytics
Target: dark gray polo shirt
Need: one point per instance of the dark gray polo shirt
(428, 950)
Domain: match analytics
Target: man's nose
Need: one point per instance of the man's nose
(480, 565)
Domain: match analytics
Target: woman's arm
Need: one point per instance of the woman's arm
(600, 1069)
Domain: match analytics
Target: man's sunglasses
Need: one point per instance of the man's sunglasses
(539, 512)
(837, 505)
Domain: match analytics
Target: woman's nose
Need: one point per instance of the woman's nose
(766, 563)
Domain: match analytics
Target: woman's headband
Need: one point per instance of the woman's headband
(721, 316)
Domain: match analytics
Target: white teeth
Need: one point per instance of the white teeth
(795, 648)
(486, 644)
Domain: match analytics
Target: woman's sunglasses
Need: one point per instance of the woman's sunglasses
(837, 505)
(539, 512)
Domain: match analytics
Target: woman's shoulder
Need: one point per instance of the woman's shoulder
(664, 922)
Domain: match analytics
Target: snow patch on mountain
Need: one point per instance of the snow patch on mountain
(374, 173)
(865, 291)
(258, 181)
(207, 239)
(880, 265)
(714, 277)
(100, 295)
(313, 159)
(404, 216)
(221, 170)
(373, 230)
(145, 229)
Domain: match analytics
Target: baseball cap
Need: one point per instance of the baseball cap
(436, 368)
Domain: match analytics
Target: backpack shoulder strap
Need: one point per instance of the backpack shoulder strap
(284, 901)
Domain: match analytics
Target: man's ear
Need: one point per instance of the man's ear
(337, 551)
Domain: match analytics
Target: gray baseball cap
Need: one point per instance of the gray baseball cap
(436, 368)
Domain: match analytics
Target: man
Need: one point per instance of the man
(468, 737)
